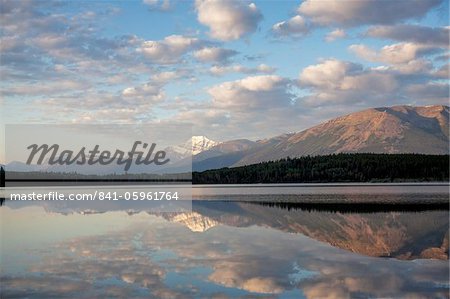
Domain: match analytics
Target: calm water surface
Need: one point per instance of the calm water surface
(253, 244)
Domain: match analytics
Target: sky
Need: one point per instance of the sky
(230, 69)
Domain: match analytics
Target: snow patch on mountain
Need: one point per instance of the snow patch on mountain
(195, 145)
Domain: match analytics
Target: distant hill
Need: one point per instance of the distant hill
(398, 129)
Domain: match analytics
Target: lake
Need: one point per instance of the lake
(257, 241)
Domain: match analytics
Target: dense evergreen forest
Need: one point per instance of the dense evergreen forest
(334, 168)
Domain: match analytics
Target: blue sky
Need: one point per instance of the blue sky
(232, 69)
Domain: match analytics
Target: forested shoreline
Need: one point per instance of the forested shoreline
(334, 168)
(308, 169)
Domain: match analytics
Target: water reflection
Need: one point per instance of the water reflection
(416, 232)
(223, 250)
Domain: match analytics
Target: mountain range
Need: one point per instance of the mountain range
(398, 129)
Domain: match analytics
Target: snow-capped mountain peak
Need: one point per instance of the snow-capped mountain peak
(194, 146)
(201, 143)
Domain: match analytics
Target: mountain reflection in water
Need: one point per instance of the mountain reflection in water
(223, 250)
(410, 234)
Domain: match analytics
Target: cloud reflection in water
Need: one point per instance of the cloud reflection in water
(147, 256)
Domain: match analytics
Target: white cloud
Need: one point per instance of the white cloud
(329, 74)
(392, 54)
(222, 70)
(336, 83)
(296, 27)
(170, 49)
(250, 93)
(356, 13)
(214, 54)
(228, 20)
(335, 34)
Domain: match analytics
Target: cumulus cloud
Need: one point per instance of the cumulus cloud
(356, 13)
(214, 54)
(222, 70)
(436, 36)
(228, 20)
(295, 27)
(257, 92)
(335, 34)
(393, 54)
(170, 49)
(334, 82)
(328, 74)
(337, 82)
